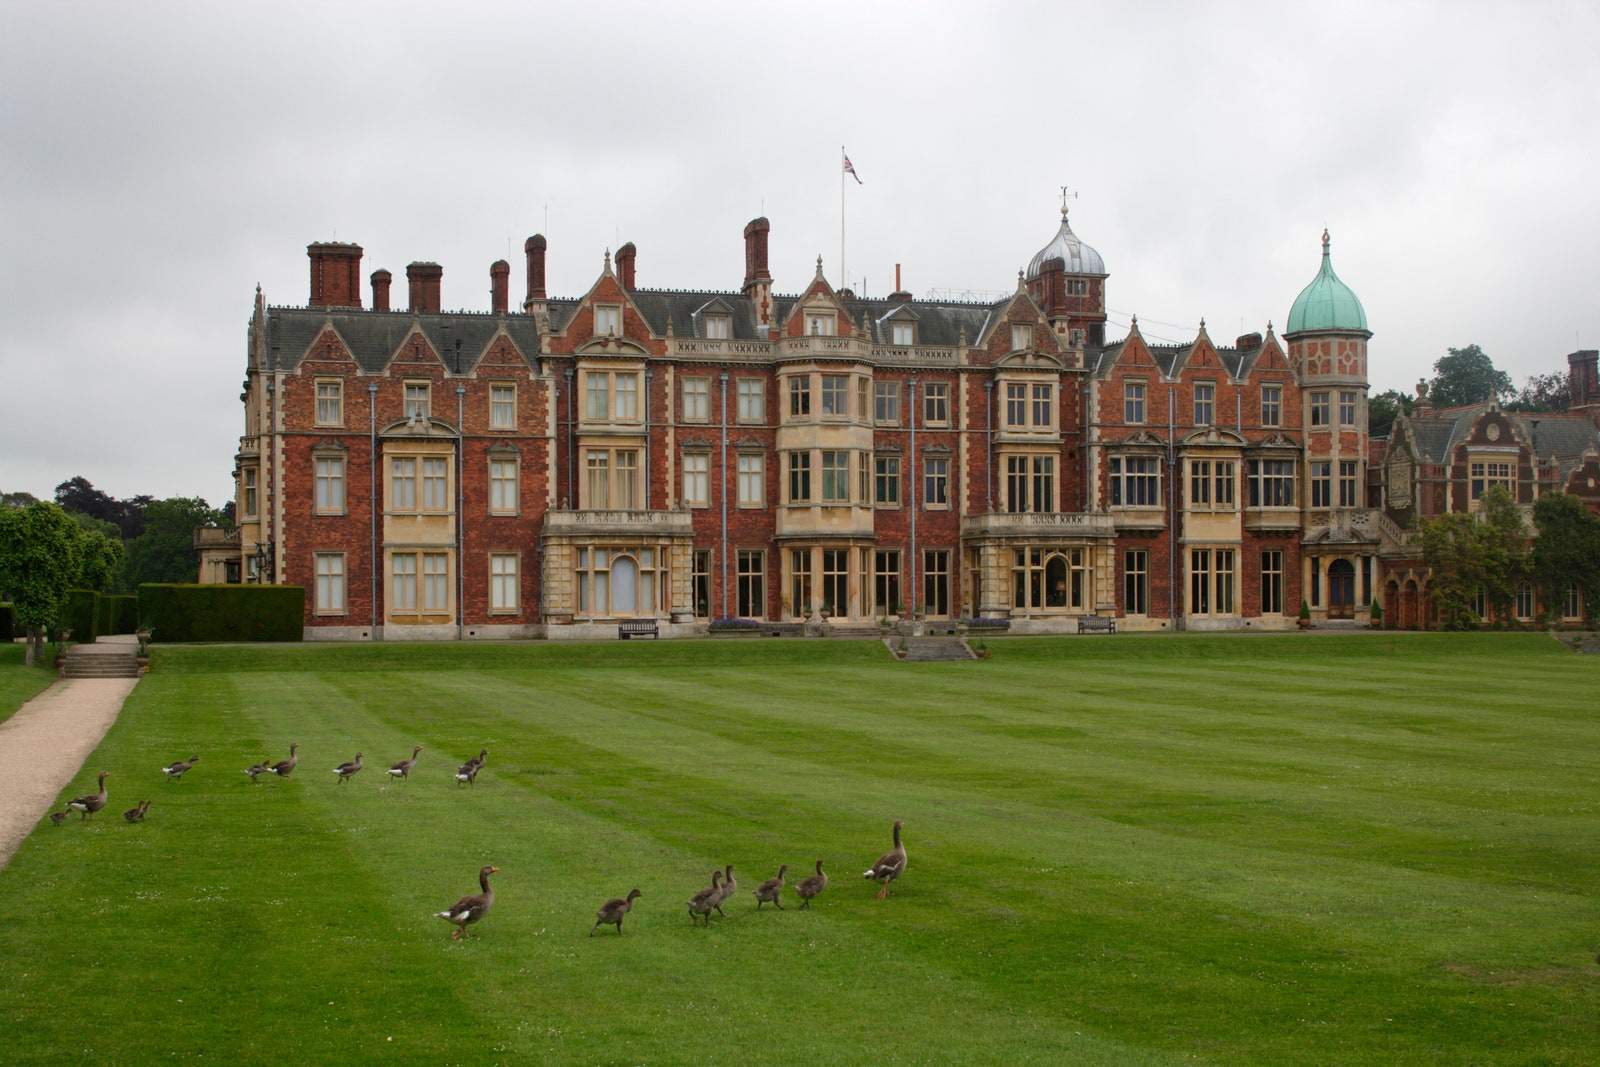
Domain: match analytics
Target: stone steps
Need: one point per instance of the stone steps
(936, 649)
(102, 661)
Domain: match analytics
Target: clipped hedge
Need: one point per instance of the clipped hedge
(8, 623)
(78, 615)
(188, 612)
(116, 614)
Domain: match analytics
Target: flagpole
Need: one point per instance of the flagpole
(842, 282)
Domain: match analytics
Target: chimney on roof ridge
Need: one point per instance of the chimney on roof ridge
(499, 286)
(1248, 341)
(1583, 378)
(424, 279)
(899, 296)
(534, 247)
(755, 252)
(626, 257)
(380, 289)
(335, 274)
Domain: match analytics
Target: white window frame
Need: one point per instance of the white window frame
(886, 480)
(330, 474)
(903, 334)
(250, 478)
(505, 583)
(1021, 336)
(1272, 404)
(886, 403)
(418, 399)
(752, 476)
(834, 396)
(334, 398)
(697, 479)
(505, 487)
(608, 320)
(936, 404)
(435, 581)
(719, 327)
(331, 591)
(1135, 392)
(502, 410)
(821, 323)
(695, 403)
(1124, 483)
(1348, 405)
(751, 396)
(1205, 397)
(936, 482)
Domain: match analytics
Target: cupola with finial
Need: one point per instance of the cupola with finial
(1067, 279)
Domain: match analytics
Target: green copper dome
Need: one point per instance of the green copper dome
(1327, 303)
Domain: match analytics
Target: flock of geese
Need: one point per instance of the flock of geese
(472, 908)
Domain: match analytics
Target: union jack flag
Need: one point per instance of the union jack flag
(850, 168)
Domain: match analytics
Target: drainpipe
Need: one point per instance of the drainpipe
(911, 492)
(269, 494)
(1086, 424)
(372, 501)
(722, 492)
(1172, 519)
(461, 524)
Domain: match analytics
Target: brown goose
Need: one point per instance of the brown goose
(767, 892)
(179, 769)
(730, 886)
(890, 865)
(284, 768)
(347, 771)
(256, 770)
(58, 817)
(612, 911)
(470, 909)
(136, 813)
(403, 768)
(93, 802)
(702, 902)
(467, 773)
(808, 889)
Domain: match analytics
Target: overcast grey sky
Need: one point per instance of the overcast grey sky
(157, 160)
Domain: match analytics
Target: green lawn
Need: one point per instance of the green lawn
(1162, 849)
(19, 684)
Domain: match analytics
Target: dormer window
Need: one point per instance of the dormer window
(1077, 287)
(902, 333)
(1021, 336)
(820, 323)
(719, 327)
(607, 320)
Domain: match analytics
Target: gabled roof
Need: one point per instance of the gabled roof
(1437, 433)
(374, 336)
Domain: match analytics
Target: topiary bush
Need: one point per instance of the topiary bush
(78, 615)
(188, 612)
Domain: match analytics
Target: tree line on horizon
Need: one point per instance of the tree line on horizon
(1468, 376)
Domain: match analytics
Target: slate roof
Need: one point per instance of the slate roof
(1236, 361)
(1566, 437)
(373, 336)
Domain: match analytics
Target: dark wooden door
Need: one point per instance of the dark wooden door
(1341, 590)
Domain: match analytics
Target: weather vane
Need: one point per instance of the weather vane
(1065, 196)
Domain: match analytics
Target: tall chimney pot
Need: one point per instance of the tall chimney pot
(335, 274)
(424, 281)
(755, 251)
(500, 286)
(626, 257)
(380, 289)
(534, 248)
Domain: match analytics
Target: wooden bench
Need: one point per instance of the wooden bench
(637, 628)
(1097, 624)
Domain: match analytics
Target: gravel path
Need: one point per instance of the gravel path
(43, 745)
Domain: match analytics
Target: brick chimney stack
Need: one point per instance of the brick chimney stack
(534, 247)
(424, 281)
(500, 285)
(380, 289)
(626, 255)
(335, 274)
(755, 252)
(899, 296)
(1583, 378)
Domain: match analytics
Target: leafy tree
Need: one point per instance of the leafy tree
(79, 494)
(1567, 549)
(164, 551)
(40, 557)
(101, 561)
(1469, 552)
(1467, 376)
(1544, 392)
(18, 499)
(1384, 408)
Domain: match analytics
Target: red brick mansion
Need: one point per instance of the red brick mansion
(688, 457)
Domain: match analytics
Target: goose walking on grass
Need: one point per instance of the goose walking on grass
(178, 770)
(809, 889)
(467, 773)
(136, 813)
(470, 909)
(702, 902)
(284, 768)
(768, 892)
(890, 865)
(92, 803)
(403, 768)
(58, 817)
(730, 886)
(256, 770)
(347, 771)
(612, 911)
